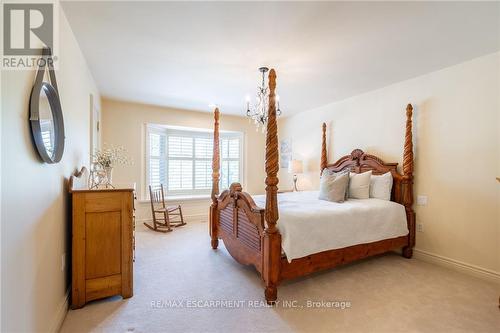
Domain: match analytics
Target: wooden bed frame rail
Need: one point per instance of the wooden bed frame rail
(250, 233)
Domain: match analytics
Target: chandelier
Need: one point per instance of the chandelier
(259, 113)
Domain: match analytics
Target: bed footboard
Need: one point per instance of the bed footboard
(240, 224)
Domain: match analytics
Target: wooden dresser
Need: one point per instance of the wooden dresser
(102, 243)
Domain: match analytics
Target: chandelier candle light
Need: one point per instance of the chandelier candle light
(259, 113)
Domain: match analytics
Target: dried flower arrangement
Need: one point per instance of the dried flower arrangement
(109, 157)
(101, 170)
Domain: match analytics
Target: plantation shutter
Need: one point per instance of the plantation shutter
(180, 163)
(203, 163)
(157, 159)
(181, 160)
(230, 161)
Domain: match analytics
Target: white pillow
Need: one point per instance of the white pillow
(381, 186)
(333, 186)
(359, 185)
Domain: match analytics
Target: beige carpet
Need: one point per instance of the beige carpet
(387, 293)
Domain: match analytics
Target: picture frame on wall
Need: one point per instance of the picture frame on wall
(285, 152)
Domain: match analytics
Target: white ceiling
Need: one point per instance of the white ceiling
(189, 55)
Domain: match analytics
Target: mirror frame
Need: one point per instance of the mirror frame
(52, 94)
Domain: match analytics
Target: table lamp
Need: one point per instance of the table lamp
(294, 168)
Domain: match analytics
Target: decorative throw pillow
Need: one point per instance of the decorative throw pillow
(381, 186)
(333, 186)
(359, 185)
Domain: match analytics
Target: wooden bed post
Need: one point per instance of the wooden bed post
(215, 183)
(272, 238)
(324, 155)
(408, 183)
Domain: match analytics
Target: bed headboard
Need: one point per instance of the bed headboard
(359, 161)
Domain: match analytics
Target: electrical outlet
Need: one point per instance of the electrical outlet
(422, 200)
(420, 227)
(63, 261)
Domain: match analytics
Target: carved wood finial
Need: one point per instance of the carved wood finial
(272, 159)
(324, 155)
(356, 154)
(235, 187)
(215, 159)
(272, 84)
(408, 148)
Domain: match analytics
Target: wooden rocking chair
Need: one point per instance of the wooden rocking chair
(158, 207)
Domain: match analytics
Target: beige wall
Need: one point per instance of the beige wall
(456, 137)
(34, 207)
(124, 123)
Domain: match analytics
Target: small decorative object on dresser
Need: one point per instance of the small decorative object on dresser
(102, 241)
(294, 168)
(101, 171)
(97, 177)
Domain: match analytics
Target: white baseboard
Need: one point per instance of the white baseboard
(60, 314)
(457, 265)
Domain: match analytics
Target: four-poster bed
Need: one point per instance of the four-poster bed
(251, 235)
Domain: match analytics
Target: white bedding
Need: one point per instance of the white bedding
(309, 225)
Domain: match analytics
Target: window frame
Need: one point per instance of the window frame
(185, 131)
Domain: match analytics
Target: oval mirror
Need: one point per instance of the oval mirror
(45, 113)
(47, 127)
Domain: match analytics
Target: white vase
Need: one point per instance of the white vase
(109, 175)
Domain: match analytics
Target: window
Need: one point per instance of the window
(181, 160)
(230, 161)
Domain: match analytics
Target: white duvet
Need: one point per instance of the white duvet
(309, 225)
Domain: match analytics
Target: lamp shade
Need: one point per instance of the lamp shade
(295, 167)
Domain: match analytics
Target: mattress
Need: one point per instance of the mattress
(309, 225)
